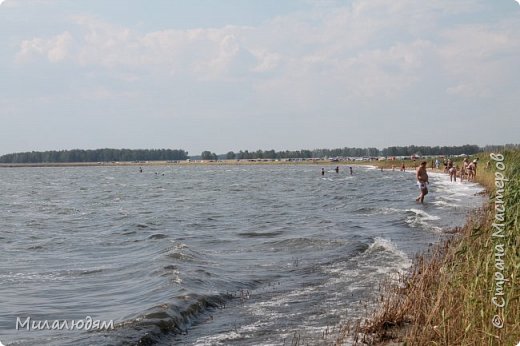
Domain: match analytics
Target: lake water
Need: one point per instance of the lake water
(208, 255)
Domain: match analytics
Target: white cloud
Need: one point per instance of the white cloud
(266, 61)
(479, 58)
(365, 50)
(371, 69)
(56, 49)
(204, 52)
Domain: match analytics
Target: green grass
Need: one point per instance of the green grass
(446, 299)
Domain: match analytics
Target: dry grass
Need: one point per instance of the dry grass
(446, 299)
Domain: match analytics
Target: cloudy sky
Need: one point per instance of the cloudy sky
(225, 75)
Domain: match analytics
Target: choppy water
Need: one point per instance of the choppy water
(233, 255)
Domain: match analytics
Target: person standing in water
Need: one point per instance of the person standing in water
(475, 167)
(337, 169)
(422, 181)
(471, 171)
(323, 171)
(453, 173)
(350, 170)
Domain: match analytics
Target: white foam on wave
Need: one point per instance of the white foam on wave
(378, 211)
(448, 194)
(33, 276)
(387, 211)
(240, 333)
(246, 331)
(442, 183)
(420, 218)
(387, 247)
(422, 214)
(382, 259)
(443, 203)
(218, 339)
(384, 244)
(448, 198)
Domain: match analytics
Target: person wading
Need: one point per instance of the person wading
(422, 181)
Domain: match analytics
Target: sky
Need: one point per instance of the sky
(230, 75)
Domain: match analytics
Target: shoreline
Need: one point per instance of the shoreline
(447, 297)
(386, 164)
(170, 163)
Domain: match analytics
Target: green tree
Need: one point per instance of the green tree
(208, 155)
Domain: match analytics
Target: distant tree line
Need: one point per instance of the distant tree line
(360, 152)
(428, 151)
(108, 155)
(302, 154)
(208, 155)
(98, 155)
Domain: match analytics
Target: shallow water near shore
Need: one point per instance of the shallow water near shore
(208, 255)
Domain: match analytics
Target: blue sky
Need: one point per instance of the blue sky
(225, 75)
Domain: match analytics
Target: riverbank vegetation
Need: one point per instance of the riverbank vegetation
(463, 291)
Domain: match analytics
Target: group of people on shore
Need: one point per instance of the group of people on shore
(468, 170)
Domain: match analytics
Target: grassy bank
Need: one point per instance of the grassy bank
(464, 291)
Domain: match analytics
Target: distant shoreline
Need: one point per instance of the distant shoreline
(184, 163)
(385, 164)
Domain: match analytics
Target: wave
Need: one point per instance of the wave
(46, 277)
(419, 218)
(387, 247)
(443, 185)
(170, 318)
(308, 308)
(182, 252)
(158, 236)
(377, 210)
(253, 234)
(30, 277)
(385, 257)
(442, 203)
(421, 214)
(303, 243)
(382, 244)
